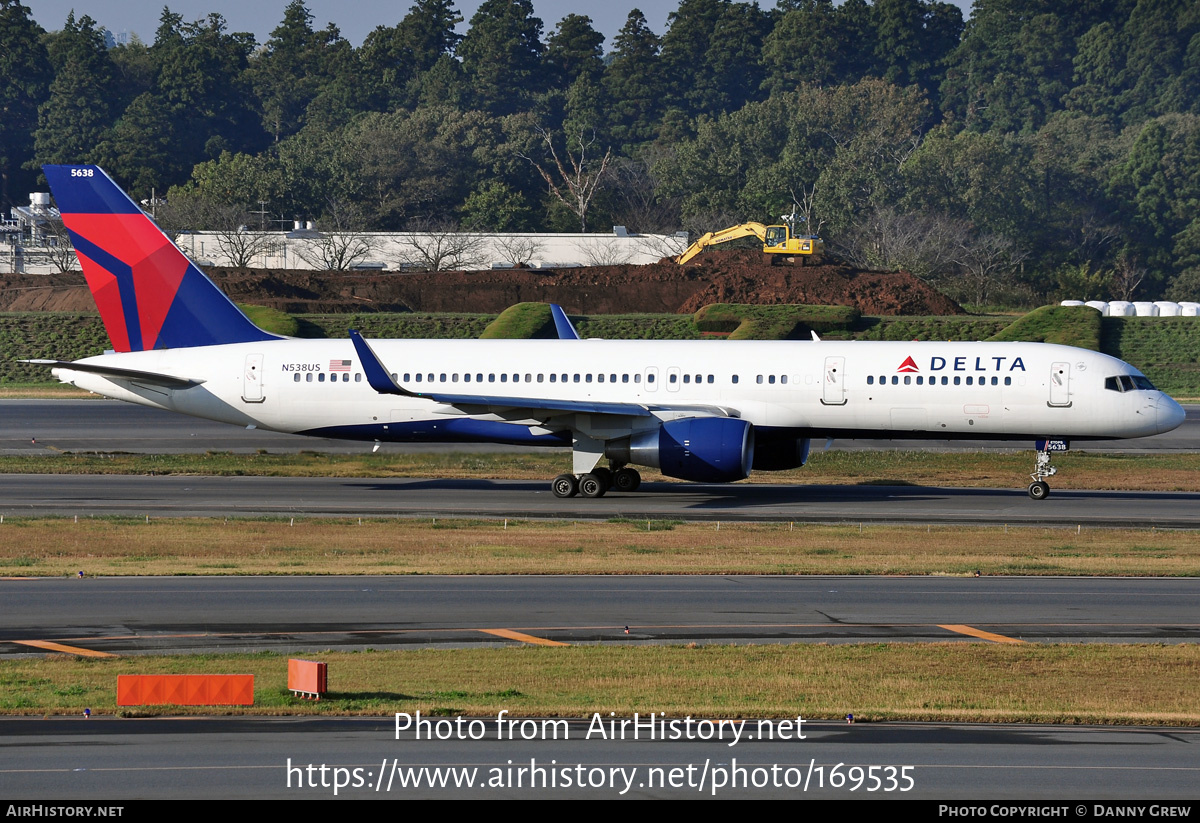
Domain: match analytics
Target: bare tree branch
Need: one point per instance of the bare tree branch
(607, 252)
(341, 244)
(582, 181)
(519, 249)
(441, 246)
(228, 223)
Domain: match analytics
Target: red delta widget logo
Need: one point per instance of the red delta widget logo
(936, 363)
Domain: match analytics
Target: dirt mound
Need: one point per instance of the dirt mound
(49, 292)
(721, 276)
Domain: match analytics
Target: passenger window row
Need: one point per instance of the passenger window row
(320, 378)
(957, 380)
(479, 377)
(516, 377)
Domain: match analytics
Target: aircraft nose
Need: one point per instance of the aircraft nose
(1170, 414)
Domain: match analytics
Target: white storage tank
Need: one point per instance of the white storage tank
(1168, 308)
(1121, 308)
(1099, 305)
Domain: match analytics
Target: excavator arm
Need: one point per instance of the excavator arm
(714, 238)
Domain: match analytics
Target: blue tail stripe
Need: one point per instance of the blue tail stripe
(124, 275)
(87, 190)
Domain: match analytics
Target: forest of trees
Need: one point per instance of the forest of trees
(1041, 147)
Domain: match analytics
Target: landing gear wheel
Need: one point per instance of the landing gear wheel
(627, 480)
(564, 486)
(605, 475)
(592, 486)
(1039, 489)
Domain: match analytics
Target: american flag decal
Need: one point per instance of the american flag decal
(340, 365)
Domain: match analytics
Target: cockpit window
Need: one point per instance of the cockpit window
(1128, 382)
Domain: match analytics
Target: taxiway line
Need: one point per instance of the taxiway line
(524, 638)
(60, 647)
(980, 633)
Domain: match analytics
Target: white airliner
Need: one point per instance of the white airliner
(706, 411)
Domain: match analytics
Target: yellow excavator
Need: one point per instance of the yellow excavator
(777, 240)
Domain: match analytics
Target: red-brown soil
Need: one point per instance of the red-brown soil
(723, 276)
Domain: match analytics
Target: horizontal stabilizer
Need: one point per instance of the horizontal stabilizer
(168, 380)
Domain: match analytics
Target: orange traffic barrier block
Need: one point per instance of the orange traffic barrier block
(185, 690)
(308, 678)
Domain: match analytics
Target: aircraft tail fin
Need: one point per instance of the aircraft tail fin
(150, 295)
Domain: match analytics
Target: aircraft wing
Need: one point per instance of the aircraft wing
(168, 380)
(381, 381)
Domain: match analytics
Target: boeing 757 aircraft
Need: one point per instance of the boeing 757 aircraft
(703, 411)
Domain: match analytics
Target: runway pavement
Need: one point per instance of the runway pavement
(238, 758)
(293, 614)
(989, 766)
(249, 757)
(178, 496)
(113, 426)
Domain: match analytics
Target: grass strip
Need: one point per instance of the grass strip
(1077, 470)
(56, 547)
(964, 681)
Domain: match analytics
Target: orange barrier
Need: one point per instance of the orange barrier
(185, 690)
(308, 678)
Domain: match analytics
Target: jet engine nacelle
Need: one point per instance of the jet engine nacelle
(701, 449)
(779, 450)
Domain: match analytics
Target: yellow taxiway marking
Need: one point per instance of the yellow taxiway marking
(59, 647)
(524, 638)
(980, 633)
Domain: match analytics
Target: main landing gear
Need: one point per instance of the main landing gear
(596, 482)
(1039, 489)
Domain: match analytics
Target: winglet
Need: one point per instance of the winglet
(377, 376)
(561, 324)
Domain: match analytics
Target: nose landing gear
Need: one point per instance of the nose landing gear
(1039, 489)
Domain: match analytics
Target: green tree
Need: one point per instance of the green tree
(394, 56)
(912, 40)
(25, 67)
(138, 148)
(495, 206)
(1159, 186)
(287, 73)
(633, 83)
(202, 77)
(73, 122)
(573, 50)
(711, 54)
(1098, 68)
(502, 55)
(806, 45)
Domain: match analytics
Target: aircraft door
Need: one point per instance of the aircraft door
(833, 384)
(673, 379)
(650, 379)
(1060, 384)
(252, 379)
